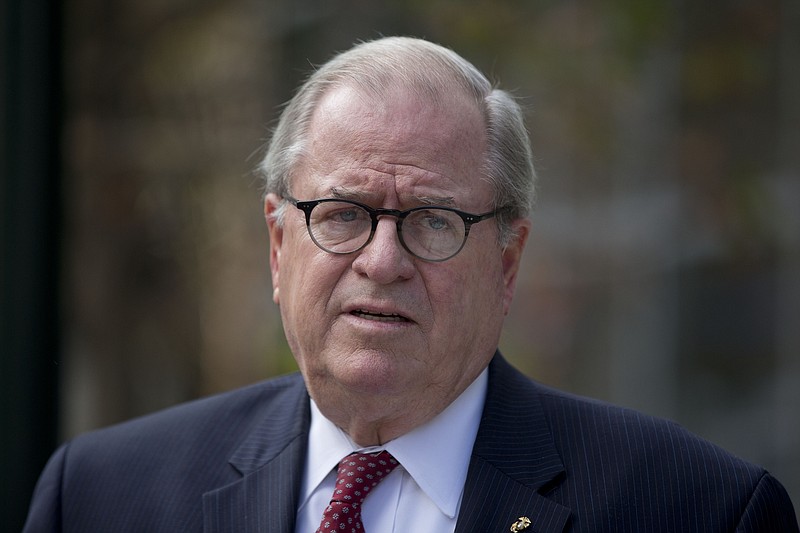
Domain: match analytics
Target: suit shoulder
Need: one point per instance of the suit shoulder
(598, 437)
(150, 473)
(217, 420)
(602, 424)
(645, 457)
(616, 466)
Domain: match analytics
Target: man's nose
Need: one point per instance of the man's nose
(384, 260)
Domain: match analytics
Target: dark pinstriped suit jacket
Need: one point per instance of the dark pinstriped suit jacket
(233, 463)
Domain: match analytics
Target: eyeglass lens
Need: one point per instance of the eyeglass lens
(342, 227)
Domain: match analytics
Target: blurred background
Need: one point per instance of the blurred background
(663, 272)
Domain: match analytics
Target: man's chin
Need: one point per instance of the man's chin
(371, 372)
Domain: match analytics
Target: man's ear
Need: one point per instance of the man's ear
(512, 256)
(271, 204)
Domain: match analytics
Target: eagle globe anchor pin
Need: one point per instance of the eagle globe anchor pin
(522, 523)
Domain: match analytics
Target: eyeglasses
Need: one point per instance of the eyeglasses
(431, 233)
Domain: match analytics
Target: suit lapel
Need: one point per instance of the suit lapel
(513, 459)
(271, 462)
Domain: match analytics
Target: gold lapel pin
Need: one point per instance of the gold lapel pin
(522, 523)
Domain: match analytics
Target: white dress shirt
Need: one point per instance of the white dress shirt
(423, 493)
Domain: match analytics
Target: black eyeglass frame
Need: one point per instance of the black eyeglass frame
(374, 214)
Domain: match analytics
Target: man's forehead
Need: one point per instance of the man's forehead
(405, 125)
(395, 104)
(369, 147)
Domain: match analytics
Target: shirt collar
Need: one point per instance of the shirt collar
(435, 468)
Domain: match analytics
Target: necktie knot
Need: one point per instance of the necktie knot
(357, 475)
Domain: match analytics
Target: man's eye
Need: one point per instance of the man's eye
(435, 222)
(345, 215)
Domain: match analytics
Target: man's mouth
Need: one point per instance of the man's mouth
(379, 317)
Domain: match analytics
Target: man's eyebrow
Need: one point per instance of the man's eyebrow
(445, 201)
(344, 193)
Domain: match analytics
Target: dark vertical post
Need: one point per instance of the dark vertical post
(30, 92)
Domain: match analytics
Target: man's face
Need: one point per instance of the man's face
(380, 324)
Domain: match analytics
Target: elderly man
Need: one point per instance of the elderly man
(398, 183)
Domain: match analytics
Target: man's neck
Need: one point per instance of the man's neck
(374, 421)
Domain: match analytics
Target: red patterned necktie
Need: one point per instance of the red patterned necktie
(358, 474)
